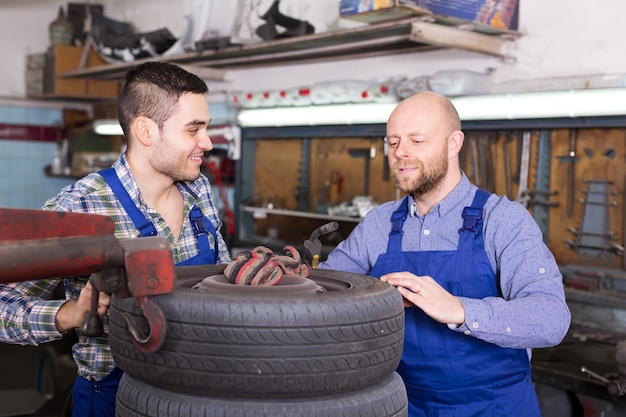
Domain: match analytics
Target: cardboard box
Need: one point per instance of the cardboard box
(486, 15)
(67, 58)
(371, 11)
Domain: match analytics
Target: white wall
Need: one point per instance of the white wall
(575, 38)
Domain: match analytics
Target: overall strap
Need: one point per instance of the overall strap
(473, 219)
(200, 230)
(397, 221)
(142, 224)
(201, 226)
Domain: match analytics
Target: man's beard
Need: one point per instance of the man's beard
(427, 180)
(162, 161)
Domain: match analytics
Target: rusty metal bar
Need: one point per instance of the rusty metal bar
(51, 258)
(24, 224)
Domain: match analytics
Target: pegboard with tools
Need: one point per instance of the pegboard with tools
(571, 180)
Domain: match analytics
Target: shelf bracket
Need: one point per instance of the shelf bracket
(454, 37)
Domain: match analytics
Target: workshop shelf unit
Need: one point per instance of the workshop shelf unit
(407, 35)
(413, 34)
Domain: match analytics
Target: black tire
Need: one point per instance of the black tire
(247, 342)
(388, 398)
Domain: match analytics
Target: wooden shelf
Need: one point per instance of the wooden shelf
(60, 59)
(71, 97)
(378, 39)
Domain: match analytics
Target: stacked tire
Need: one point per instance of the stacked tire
(327, 346)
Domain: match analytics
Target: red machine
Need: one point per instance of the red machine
(36, 244)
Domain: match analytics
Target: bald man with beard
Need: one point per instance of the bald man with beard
(480, 287)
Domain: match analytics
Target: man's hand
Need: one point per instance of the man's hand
(425, 293)
(72, 313)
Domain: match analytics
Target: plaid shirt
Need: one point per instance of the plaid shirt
(27, 317)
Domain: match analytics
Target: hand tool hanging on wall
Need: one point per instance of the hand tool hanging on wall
(570, 159)
(508, 174)
(305, 176)
(488, 171)
(571, 175)
(522, 190)
(594, 236)
(517, 135)
(481, 160)
(539, 197)
(475, 162)
(624, 228)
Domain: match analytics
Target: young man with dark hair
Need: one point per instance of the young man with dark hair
(154, 188)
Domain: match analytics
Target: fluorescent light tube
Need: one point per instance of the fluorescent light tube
(335, 114)
(107, 127)
(531, 105)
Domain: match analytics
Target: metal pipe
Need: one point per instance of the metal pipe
(52, 258)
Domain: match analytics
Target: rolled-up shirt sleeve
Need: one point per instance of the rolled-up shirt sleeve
(532, 311)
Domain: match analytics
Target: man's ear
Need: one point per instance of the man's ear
(455, 142)
(143, 129)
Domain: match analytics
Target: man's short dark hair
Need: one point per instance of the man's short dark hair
(152, 89)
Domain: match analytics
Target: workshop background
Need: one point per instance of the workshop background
(276, 180)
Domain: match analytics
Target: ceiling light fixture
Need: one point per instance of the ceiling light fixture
(531, 105)
(335, 114)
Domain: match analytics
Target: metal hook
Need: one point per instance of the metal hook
(156, 322)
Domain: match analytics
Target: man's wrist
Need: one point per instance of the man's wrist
(65, 316)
